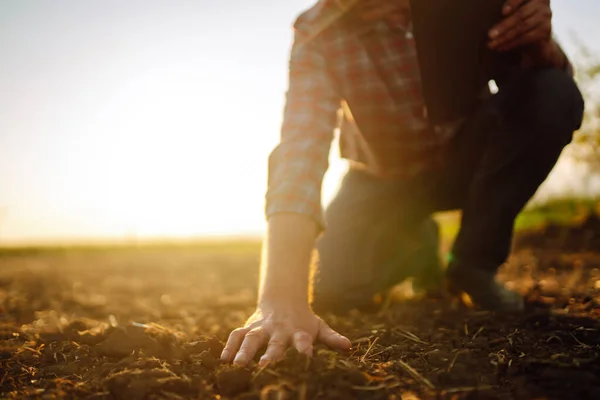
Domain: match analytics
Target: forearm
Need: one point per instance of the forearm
(296, 169)
(286, 258)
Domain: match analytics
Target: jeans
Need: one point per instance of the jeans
(381, 231)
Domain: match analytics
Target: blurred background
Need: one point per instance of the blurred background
(133, 120)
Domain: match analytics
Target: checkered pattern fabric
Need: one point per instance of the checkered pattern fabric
(365, 73)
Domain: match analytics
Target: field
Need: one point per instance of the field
(149, 323)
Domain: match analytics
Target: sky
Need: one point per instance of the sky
(152, 119)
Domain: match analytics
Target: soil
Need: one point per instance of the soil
(149, 323)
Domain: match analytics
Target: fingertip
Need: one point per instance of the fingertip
(494, 33)
(225, 356)
(346, 343)
(302, 341)
(264, 361)
(342, 343)
(507, 9)
(308, 350)
(240, 360)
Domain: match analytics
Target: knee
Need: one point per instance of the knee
(552, 103)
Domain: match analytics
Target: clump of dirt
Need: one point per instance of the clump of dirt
(121, 342)
(212, 346)
(138, 384)
(233, 381)
(154, 327)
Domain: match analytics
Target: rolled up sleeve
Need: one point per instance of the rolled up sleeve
(299, 162)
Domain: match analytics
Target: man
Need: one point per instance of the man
(379, 229)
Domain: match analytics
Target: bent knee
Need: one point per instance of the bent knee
(553, 103)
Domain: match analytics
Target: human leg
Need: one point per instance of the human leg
(376, 237)
(535, 117)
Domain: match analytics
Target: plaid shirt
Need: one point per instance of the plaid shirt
(364, 78)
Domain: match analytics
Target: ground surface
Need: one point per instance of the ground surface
(150, 323)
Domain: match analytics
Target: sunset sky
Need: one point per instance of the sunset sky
(143, 118)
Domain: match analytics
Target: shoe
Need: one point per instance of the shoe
(483, 289)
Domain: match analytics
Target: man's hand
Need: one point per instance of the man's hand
(279, 327)
(283, 317)
(525, 23)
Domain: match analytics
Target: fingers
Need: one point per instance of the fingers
(515, 34)
(332, 339)
(526, 38)
(233, 344)
(276, 349)
(254, 340)
(303, 342)
(278, 333)
(512, 23)
(530, 23)
(511, 5)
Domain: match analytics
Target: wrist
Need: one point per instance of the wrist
(285, 287)
(547, 53)
(283, 300)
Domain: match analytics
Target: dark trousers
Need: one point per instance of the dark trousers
(381, 231)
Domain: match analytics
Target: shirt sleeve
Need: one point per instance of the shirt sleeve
(299, 162)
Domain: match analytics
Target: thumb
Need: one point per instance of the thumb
(332, 339)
